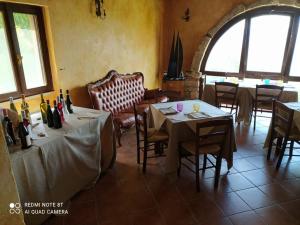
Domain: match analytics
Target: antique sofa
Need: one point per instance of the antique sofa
(117, 93)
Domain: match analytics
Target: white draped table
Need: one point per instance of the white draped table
(181, 127)
(70, 159)
(245, 96)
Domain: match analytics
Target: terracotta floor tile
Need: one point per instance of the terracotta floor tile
(258, 177)
(277, 192)
(218, 221)
(292, 186)
(206, 210)
(177, 213)
(259, 161)
(231, 203)
(149, 217)
(237, 182)
(275, 215)
(292, 208)
(243, 165)
(247, 218)
(80, 214)
(255, 198)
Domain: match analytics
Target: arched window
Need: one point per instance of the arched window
(264, 43)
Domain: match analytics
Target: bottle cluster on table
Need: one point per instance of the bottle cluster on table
(54, 118)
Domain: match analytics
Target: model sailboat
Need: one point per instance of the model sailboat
(175, 61)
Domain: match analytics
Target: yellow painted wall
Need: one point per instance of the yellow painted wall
(205, 14)
(84, 48)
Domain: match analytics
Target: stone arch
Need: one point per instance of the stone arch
(237, 11)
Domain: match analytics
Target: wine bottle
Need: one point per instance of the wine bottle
(24, 135)
(62, 100)
(43, 108)
(60, 109)
(49, 115)
(12, 104)
(56, 117)
(8, 138)
(26, 123)
(9, 126)
(25, 108)
(69, 103)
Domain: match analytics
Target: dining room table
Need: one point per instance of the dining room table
(246, 96)
(62, 162)
(181, 126)
(295, 130)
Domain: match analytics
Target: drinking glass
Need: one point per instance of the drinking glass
(179, 107)
(196, 107)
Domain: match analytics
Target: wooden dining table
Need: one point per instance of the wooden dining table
(245, 97)
(181, 126)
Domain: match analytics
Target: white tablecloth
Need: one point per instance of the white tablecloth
(182, 128)
(67, 161)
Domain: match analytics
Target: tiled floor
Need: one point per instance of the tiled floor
(251, 193)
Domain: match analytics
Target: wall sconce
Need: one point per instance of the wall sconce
(100, 10)
(187, 15)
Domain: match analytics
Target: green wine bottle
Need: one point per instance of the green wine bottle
(43, 108)
(12, 104)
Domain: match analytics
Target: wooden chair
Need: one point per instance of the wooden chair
(148, 139)
(281, 126)
(205, 143)
(226, 96)
(264, 94)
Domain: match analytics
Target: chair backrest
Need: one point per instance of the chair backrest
(218, 130)
(141, 126)
(226, 92)
(282, 117)
(266, 93)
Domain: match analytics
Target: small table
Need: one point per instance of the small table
(245, 96)
(180, 127)
(67, 161)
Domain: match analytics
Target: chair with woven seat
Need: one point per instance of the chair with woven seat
(264, 95)
(148, 139)
(226, 96)
(209, 139)
(281, 129)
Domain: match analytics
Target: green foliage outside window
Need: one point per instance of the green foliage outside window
(22, 21)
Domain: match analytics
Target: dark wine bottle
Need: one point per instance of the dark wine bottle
(56, 117)
(24, 135)
(49, 115)
(43, 108)
(9, 126)
(69, 103)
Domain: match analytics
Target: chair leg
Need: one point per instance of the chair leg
(197, 173)
(291, 148)
(179, 165)
(278, 145)
(254, 126)
(204, 162)
(138, 153)
(145, 159)
(281, 154)
(270, 144)
(218, 170)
